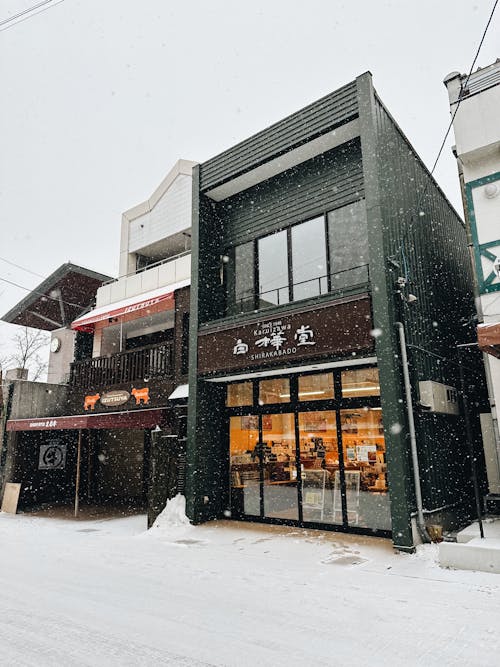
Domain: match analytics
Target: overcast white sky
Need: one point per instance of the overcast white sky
(99, 99)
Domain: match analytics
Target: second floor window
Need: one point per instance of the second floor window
(308, 259)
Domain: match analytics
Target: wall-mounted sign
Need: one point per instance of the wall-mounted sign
(338, 328)
(141, 395)
(115, 397)
(90, 401)
(52, 456)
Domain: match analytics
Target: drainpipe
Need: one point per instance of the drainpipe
(413, 440)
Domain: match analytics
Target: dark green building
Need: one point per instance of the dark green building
(323, 253)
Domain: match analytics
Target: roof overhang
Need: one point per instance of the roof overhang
(148, 418)
(140, 305)
(182, 391)
(488, 338)
(56, 301)
(292, 158)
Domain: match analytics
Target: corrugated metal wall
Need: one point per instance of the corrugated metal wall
(308, 123)
(312, 188)
(426, 237)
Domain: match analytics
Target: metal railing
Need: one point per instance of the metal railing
(153, 361)
(149, 266)
(334, 282)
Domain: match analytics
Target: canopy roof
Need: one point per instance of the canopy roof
(140, 304)
(58, 300)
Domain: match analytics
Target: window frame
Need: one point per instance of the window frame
(231, 306)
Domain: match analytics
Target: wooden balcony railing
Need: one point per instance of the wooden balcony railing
(153, 361)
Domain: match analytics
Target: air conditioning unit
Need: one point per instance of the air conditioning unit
(438, 397)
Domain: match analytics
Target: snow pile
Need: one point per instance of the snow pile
(173, 516)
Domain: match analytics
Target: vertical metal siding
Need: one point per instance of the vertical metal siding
(312, 188)
(314, 120)
(419, 222)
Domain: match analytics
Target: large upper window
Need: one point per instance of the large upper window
(348, 241)
(309, 267)
(273, 269)
(308, 259)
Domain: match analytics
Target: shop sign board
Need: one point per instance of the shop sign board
(334, 329)
(115, 397)
(52, 455)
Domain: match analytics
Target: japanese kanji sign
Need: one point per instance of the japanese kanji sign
(341, 327)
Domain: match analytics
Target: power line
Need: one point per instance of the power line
(461, 96)
(464, 87)
(27, 14)
(68, 303)
(18, 266)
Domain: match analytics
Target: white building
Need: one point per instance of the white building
(475, 108)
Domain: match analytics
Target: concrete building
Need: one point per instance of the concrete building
(474, 105)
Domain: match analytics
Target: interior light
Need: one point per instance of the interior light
(371, 388)
(312, 393)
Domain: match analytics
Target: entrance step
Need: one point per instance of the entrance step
(471, 552)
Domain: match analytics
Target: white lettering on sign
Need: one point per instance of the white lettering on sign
(48, 423)
(274, 334)
(304, 335)
(140, 306)
(240, 347)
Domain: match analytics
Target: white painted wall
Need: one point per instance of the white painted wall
(138, 283)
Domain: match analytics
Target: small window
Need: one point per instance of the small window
(360, 382)
(316, 387)
(274, 391)
(238, 394)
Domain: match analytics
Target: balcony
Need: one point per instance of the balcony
(152, 361)
(163, 273)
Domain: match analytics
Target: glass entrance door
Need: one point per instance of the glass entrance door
(279, 466)
(263, 466)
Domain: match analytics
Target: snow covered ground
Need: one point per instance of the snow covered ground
(105, 592)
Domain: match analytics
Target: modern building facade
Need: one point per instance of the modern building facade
(474, 104)
(324, 253)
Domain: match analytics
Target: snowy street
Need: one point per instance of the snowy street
(105, 592)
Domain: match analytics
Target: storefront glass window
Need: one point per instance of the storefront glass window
(309, 259)
(240, 393)
(348, 241)
(244, 464)
(360, 382)
(363, 445)
(273, 269)
(319, 464)
(279, 467)
(316, 387)
(276, 390)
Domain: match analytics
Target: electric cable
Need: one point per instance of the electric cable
(23, 268)
(47, 296)
(27, 14)
(459, 101)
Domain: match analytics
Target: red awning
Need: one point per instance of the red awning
(139, 304)
(132, 419)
